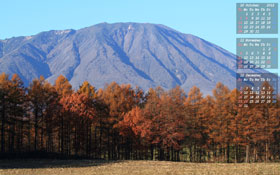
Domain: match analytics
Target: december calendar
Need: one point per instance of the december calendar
(254, 53)
(256, 88)
(257, 18)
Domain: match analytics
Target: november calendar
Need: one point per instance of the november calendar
(256, 88)
(254, 53)
(257, 18)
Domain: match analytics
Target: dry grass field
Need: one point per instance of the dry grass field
(88, 167)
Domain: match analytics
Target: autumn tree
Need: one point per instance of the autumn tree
(62, 86)
(172, 122)
(268, 119)
(82, 111)
(16, 112)
(4, 91)
(131, 128)
(235, 126)
(12, 95)
(194, 129)
(41, 97)
(150, 127)
(206, 118)
(87, 89)
(120, 100)
(51, 112)
(161, 123)
(221, 120)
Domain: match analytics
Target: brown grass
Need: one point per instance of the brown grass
(87, 167)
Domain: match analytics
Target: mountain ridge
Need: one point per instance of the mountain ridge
(142, 54)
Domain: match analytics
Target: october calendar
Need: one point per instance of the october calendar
(257, 18)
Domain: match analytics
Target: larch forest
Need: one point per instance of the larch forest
(120, 122)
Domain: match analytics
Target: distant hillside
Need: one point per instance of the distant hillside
(147, 55)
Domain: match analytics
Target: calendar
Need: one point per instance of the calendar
(257, 53)
(257, 18)
(256, 88)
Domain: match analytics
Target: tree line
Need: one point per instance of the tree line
(120, 122)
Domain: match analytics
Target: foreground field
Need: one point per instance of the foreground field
(88, 167)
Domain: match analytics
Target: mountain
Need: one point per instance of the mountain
(147, 55)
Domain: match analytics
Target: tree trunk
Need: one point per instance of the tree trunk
(228, 149)
(36, 129)
(236, 154)
(266, 151)
(90, 142)
(42, 138)
(62, 136)
(255, 153)
(152, 152)
(13, 132)
(100, 142)
(191, 155)
(3, 128)
(172, 154)
(247, 153)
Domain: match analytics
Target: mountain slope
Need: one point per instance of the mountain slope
(146, 55)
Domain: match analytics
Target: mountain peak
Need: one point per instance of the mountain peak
(142, 54)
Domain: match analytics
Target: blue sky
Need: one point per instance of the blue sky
(212, 20)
